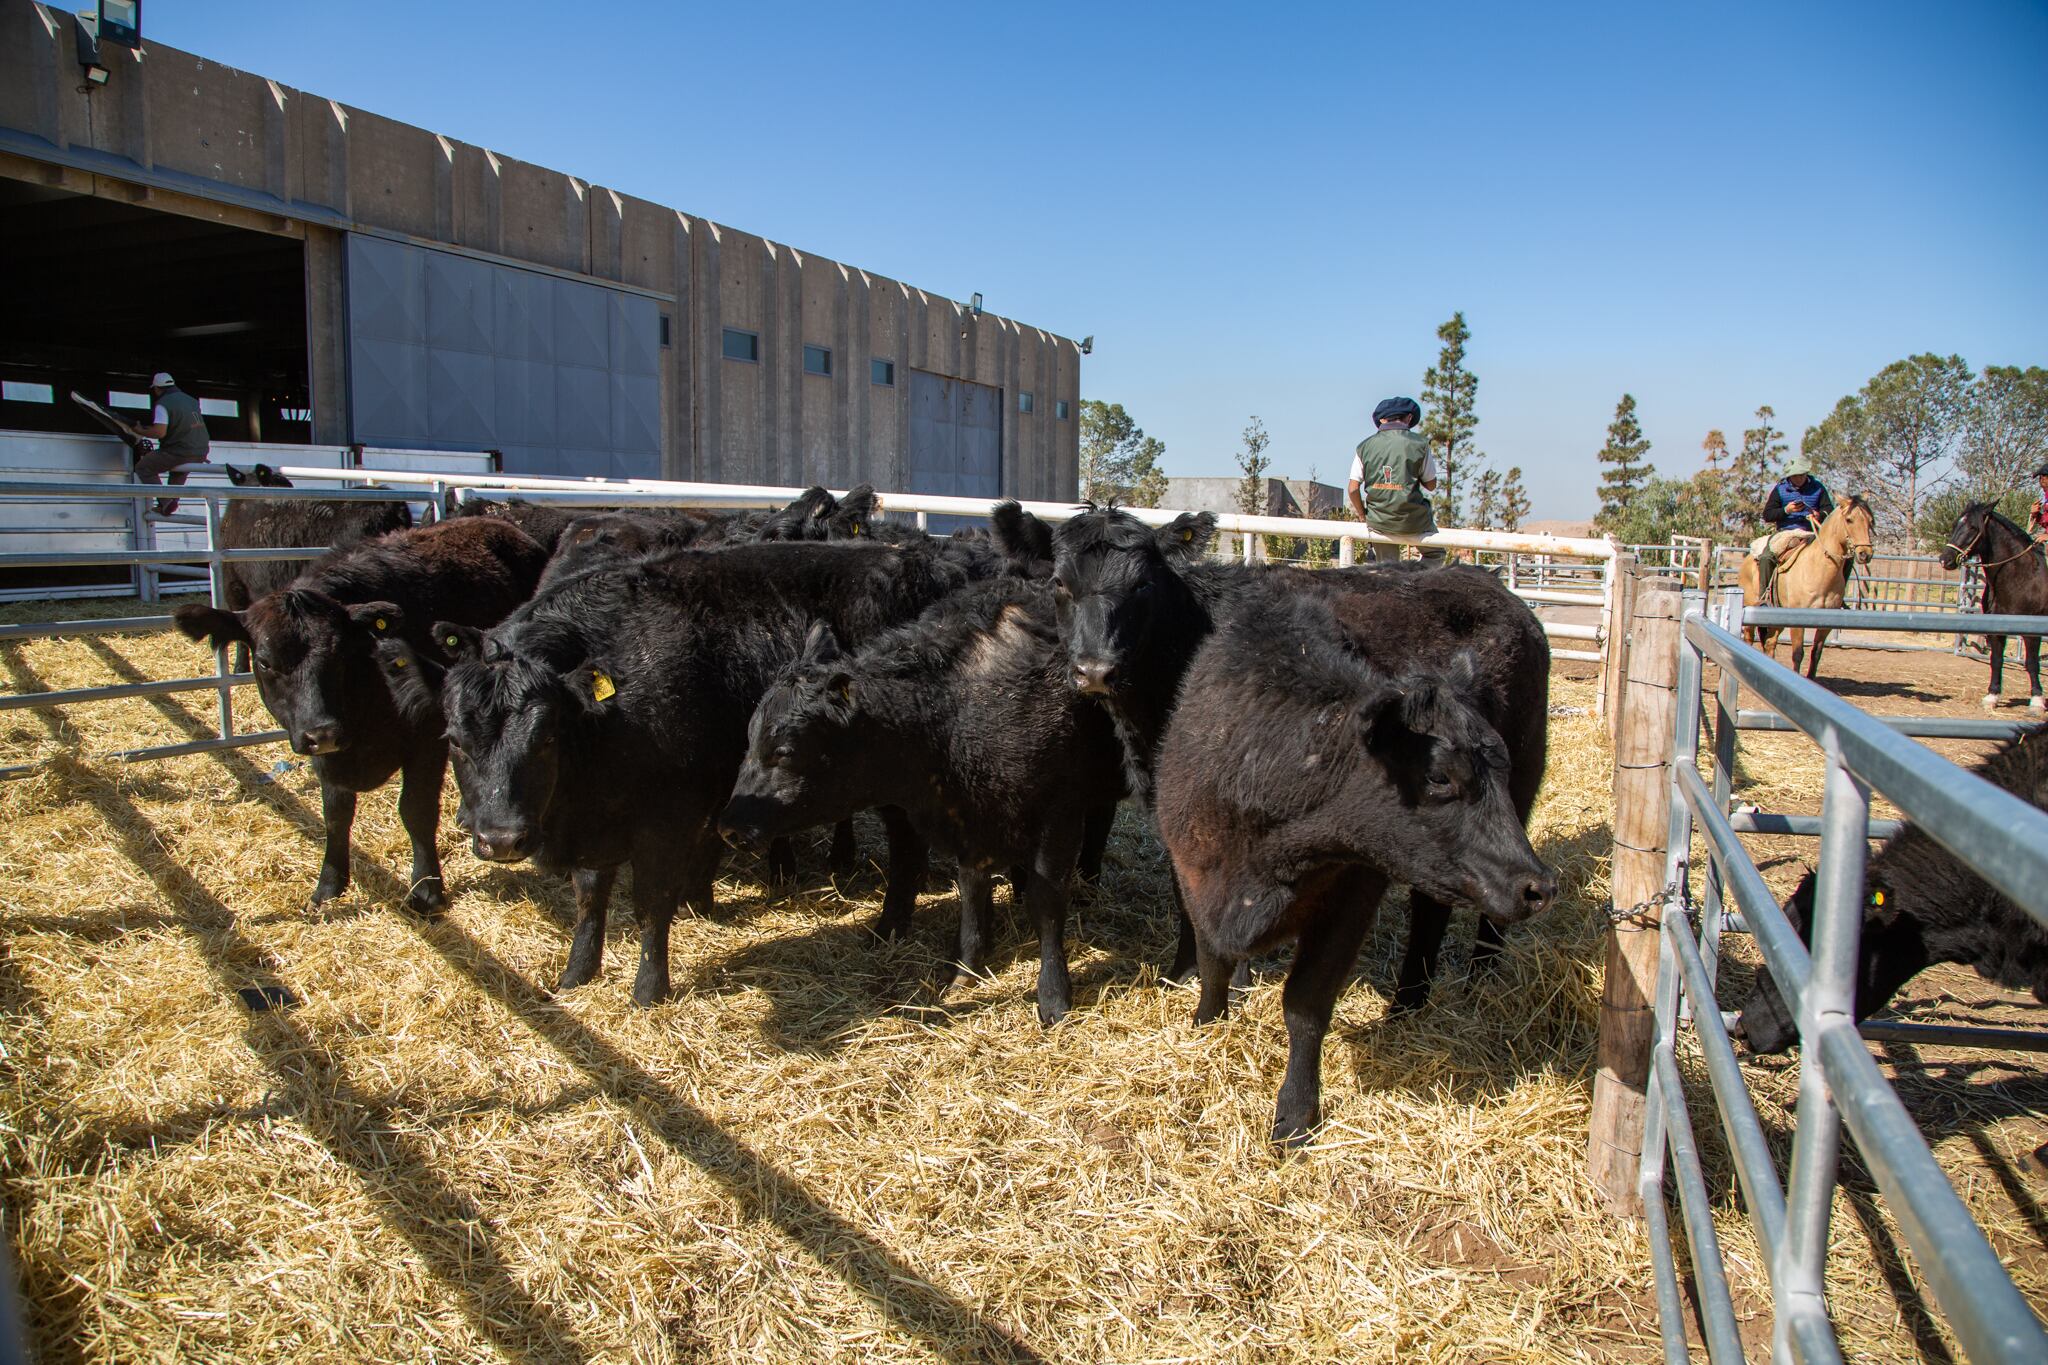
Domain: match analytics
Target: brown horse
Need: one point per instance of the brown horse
(1816, 575)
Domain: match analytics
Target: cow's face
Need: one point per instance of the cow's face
(797, 766)
(1113, 578)
(507, 715)
(313, 661)
(1890, 952)
(1433, 807)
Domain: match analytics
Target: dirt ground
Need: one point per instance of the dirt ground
(426, 1154)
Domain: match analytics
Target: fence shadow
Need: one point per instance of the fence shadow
(952, 1329)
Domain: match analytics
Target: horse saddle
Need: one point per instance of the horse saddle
(1791, 545)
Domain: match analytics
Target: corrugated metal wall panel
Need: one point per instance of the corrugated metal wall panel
(448, 352)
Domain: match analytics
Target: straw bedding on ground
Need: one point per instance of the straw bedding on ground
(800, 1157)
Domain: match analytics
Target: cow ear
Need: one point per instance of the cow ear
(853, 512)
(1379, 711)
(458, 642)
(1186, 538)
(821, 646)
(266, 475)
(591, 684)
(197, 621)
(378, 618)
(237, 477)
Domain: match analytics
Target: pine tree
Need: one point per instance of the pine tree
(1449, 401)
(1119, 462)
(1514, 500)
(1716, 446)
(1756, 469)
(1486, 499)
(1251, 489)
(1627, 471)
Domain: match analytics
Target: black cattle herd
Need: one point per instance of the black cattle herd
(639, 688)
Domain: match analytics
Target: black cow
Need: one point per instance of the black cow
(543, 521)
(962, 719)
(275, 524)
(317, 671)
(1330, 741)
(604, 722)
(1924, 905)
(1136, 604)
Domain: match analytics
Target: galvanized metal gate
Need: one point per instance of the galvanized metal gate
(449, 352)
(2002, 837)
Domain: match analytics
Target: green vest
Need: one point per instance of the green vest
(184, 427)
(1391, 461)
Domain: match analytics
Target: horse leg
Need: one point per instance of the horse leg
(1798, 637)
(2032, 645)
(1820, 634)
(1996, 644)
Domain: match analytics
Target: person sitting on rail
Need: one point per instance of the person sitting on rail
(175, 437)
(1403, 474)
(1798, 504)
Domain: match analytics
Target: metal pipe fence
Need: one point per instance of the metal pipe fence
(1592, 572)
(211, 560)
(2002, 837)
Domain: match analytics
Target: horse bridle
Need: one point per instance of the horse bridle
(1983, 527)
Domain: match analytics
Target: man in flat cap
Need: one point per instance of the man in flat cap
(177, 432)
(1396, 471)
(1798, 504)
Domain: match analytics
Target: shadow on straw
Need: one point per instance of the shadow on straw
(952, 1329)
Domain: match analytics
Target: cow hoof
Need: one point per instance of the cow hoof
(1051, 1012)
(1293, 1132)
(325, 890)
(427, 899)
(892, 924)
(572, 977)
(1990, 702)
(647, 996)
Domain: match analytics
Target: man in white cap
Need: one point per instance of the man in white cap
(178, 432)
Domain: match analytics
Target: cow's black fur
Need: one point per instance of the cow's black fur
(1330, 741)
(1924, 905)
(543, 522)
(318, 673)
(1136, 603)
(252, 523)
(962, 719)
(603, 723)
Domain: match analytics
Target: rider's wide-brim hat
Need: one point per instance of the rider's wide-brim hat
(1798, 464)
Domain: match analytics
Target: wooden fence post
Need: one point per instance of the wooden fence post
(1642, 803)
(1614, 669)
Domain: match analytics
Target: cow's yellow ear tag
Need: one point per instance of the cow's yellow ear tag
(1877, 898)
(452, 641)
(382, 624)
(1186, 536)
(601, 687)
(399, 662)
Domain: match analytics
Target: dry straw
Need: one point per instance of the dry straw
(801, 1157)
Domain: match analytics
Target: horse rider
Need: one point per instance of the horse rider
(2037, 515)
(1798, 504)
(1402, 472)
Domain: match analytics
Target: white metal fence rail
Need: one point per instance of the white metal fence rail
(1563, 571)
(2002, 837)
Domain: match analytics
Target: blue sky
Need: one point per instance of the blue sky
(1269, 211)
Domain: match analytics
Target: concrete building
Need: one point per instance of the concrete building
(315, 272)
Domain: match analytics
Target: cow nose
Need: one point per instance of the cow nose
(320, 739)
(1093, 675)
(1537, 893)
(503, 844)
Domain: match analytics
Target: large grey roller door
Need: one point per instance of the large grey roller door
(956, 439)
(451, 353)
